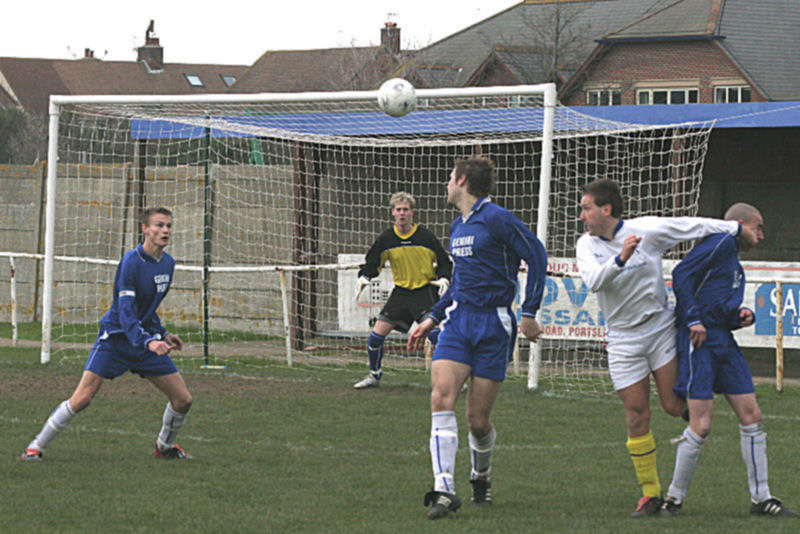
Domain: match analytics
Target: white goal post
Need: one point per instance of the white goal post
(271, 191)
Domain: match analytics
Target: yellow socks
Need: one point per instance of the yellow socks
(643, 454)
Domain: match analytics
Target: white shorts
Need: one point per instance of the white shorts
(634, 353)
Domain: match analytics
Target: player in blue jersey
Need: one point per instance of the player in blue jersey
(421, 271)
(709, 286)
(478, 327)
(132, 339)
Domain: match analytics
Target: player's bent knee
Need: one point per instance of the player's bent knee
(79, 402)
(674, 407)
(437, 401)
(442, 400)
(751, 418)
(182, 404)
(702, 430)
(478, 425)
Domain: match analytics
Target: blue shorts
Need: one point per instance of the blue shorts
(718, 366)
(113, 355)
(482, 338)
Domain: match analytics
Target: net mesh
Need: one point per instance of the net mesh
(258, 187)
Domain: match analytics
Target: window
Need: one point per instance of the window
(228, 80)
(194, 80)
(518, 101)
(604, 97)
(667, 96)
(730, 94)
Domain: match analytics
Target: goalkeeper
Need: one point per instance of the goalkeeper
(132, 339)
(421, 270)
(620, 260)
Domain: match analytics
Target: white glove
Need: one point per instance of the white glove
(442, 284)
(360, 285)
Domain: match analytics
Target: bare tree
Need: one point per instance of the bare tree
(555, 41)
(364, 68)
(23, 137)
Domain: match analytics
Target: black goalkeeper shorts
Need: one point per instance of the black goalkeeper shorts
(405, 306)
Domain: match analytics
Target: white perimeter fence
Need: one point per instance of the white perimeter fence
(568, 310)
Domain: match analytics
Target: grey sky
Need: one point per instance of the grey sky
(227, 32)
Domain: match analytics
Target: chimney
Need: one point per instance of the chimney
(390, 37)
(152, 53)
(88, 53)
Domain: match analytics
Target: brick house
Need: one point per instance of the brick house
(528, 43)
(695, 51)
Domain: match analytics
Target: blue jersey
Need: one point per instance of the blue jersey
(709, 284)
(486, 247)
(140, 284)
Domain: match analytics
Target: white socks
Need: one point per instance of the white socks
(754, 452)
(443, 444)
(688, 454)
(57, 421)
(172, 423)
(63, 414)
(480, 450)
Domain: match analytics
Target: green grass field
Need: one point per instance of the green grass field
(284, 449)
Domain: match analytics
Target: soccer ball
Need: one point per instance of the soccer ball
(397, 97)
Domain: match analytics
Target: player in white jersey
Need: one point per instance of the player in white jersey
(620, 260)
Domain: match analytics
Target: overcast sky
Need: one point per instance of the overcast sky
(228, 31)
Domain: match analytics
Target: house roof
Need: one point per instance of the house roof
(524, 64)
(761, 38)
(525, 23)
(527, 64)
(327, 69)
(32, 81)
(682, 18)
(433, 75)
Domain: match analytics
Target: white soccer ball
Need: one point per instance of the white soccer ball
(397, 97)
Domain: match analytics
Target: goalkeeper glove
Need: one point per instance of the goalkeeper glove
(442, 284)
(360, 285)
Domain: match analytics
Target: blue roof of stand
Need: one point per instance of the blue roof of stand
(745, 115)
(444, 122)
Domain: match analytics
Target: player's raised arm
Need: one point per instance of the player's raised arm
(593, 273)
(666, 232)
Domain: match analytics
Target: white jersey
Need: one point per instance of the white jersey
(631, 294)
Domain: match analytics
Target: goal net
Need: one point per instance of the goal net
(277, 197)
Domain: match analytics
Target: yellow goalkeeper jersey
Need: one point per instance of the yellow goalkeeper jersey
(416, 258)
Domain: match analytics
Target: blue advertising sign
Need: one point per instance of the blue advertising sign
(766, 309)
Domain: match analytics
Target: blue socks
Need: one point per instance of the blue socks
(375, 353)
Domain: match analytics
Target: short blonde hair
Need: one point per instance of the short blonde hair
(401, 197)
